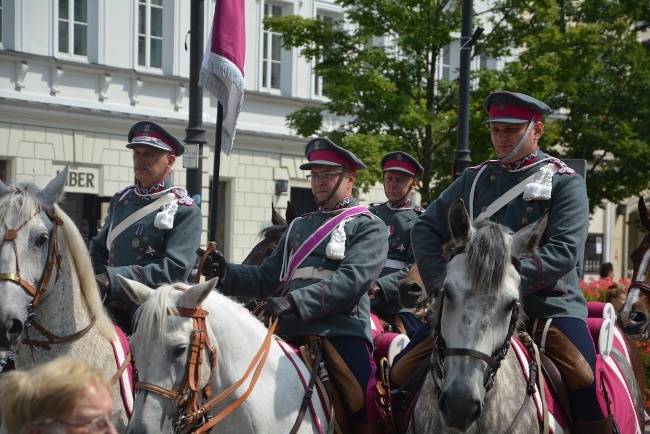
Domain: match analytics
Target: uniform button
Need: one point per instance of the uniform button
(139, 258)
(112, 255)
(296, 244)
(524, 220)
(309, 218)
(112, 246)
(397, 239)
(492, 177)
(530, 287)
(141, 249)
(297, 235)
(529, 209)
(323, 260)
(126, 202)
(320, 268)
(543, 281)
(483, 208)
(145, 239)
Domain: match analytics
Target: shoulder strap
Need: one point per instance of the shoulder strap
(315, 239)
(501, 201)
(113, 232)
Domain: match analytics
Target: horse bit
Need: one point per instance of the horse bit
(53, 260)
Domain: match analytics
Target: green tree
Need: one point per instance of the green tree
(583, 58)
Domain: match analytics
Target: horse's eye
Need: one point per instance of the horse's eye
(42, 240)
(179, 351)
(514, 304)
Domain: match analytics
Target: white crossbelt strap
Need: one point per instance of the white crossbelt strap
(311, 273)
(113, 232)
(500, 202)
(392, 263)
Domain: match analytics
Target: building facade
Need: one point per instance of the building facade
(76, 74)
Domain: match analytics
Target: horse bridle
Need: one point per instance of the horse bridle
(53, 261)
(638, 283)
(441, 351)
(192, 417)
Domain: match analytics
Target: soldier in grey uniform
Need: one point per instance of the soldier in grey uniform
(152, 228)
(324, 265)
(550, 281)
(401, 173)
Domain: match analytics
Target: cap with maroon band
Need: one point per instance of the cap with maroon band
(147, 133)
(514, 108)
(322, 151)
(402, 162)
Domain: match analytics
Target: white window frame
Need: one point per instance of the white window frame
(266, 44)
(148, 37)
(71, 30)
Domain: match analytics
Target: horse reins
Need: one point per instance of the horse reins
(192, 417)
(53, 260)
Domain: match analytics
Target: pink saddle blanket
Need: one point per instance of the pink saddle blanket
(120, 351)
(613, 393)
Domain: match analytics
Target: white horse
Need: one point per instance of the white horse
(474, 383)
(49, 303)
(165, 329)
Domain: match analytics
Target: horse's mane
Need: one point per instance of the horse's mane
(488, 254)
(83, 273)
(273, 231)
(22, 198)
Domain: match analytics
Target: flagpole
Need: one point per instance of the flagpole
(214, 199)
(194, 133)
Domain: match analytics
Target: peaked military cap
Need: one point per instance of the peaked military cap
(147, 133)
(514, 108)
(322, 150)
(402, 162)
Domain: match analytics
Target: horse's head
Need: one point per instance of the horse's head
(634, 316)
(168, 325)
(28, 252)
(271, 235)
(476, 311)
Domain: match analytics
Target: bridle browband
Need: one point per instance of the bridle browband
(441, 350)
(192, 417)
(53, 261)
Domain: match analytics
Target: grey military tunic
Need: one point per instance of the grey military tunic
(399, 222)
(550, 281)
(334, 306)
(142, 252)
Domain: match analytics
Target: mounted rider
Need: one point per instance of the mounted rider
(152, 228)
(515, 190)
(319, 277)
(401, 173)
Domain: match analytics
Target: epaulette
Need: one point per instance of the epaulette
(376, 204)
(122, 193)
(477, 168)
(563, 169)
(307, 214)
(183, 198)
(418, 209)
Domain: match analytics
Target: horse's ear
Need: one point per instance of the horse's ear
(643, 213)
(137, 292)
(459, 223)
(291, 213)
(276, 218)
(53, 191)
(526, 240)
(195, 295)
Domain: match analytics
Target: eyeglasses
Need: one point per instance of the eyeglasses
(99, 424)
(325, 176)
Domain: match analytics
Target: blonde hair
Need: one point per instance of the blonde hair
(46, 392)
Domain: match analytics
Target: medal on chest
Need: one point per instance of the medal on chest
(138, 232)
